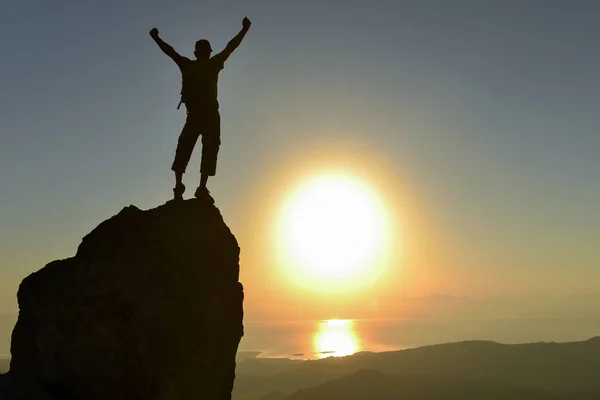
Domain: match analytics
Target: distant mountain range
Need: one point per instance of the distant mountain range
(464, 370)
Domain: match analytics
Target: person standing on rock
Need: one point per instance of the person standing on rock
(199, 94)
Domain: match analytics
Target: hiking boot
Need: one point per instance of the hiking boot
(178, 191)
(202, 193)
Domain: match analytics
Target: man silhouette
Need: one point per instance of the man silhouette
(199, 94)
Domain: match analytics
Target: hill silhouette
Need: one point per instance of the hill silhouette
(149, 307)
(554, 368)
(375, 385)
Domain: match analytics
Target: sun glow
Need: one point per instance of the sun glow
(335, 338)
(332, 234)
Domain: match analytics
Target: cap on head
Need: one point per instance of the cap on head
(203, 46)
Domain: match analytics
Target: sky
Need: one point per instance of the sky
(475, 121)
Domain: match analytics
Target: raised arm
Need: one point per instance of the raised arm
(236, 41)
(165, 47)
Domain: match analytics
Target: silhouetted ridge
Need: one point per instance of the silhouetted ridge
(150, 307)
(558, 370)
(374, 385)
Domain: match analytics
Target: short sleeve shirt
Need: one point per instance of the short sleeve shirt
(200, 80)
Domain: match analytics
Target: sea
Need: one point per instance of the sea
(341, 337)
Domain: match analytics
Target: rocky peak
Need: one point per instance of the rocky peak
(149, 307)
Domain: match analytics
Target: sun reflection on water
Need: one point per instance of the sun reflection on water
(336, 337)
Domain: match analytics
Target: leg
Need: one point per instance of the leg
(185, 146)
(178, 178)
(203, 179)
(211, 140)
(179, 188)
(210, 150)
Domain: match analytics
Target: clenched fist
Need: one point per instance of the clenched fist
(154, 32)
(246, 23)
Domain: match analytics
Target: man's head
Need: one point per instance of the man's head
(202, 49)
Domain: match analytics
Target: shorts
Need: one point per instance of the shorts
(205, 122)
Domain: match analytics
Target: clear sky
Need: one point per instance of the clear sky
(477, 121)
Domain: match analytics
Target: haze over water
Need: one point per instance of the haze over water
(468, 319)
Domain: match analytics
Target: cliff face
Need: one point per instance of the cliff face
(150, 307)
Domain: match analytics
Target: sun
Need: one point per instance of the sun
(332, 232)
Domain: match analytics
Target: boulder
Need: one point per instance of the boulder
(150, 307)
